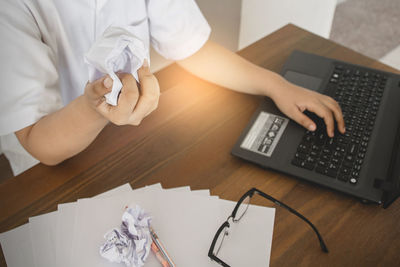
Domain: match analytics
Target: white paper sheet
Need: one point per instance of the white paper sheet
(178, 189)
(64, 231)
(42, 230)
(17, 247)
(157, 185)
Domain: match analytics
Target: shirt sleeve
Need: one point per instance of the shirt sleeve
(177, 27)
(29, 86)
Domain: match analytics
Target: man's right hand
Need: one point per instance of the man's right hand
(134, 103)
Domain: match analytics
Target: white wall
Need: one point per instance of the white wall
(224, 19)
(262, 17)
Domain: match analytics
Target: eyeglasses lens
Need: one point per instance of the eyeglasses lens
(242, 209)
(220, 240)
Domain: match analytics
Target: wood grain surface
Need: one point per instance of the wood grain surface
(187, 141)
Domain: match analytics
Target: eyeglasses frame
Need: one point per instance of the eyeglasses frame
(250, 194)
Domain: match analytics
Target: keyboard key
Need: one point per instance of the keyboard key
(343, 177)
(321, 169)
(333, 167)
(327, 151)
(308, 166)
(325, 158)
(316, 147)
(310, 160)
(362, 150)
(364, 144)
(308, 138)
(331, 173)
(338, 154)
(349, 158)
(322, 163)
(299, 155)
(302, 164)
(357, 167)
(353, 149)
(348, 164)
(353, 180)
(335, 160)
(342, 140)
(297, 162)
(345, 170)
(303, 149)
(330, 142)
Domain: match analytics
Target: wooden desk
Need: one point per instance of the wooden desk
(187, 141)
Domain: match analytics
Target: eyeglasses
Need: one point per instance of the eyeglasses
(238, 212)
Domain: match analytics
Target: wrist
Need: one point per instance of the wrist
(91, 111)
(271, 84)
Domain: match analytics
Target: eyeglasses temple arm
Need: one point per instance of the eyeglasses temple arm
(277, 202)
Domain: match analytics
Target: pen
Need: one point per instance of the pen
(161, 248)
(159, 255)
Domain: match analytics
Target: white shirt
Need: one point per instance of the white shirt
(43, 46)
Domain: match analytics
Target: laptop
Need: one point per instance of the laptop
(364, 162)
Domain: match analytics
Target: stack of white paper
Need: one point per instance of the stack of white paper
(184, 220)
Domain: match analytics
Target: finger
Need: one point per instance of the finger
(325, 113)
(100, 87)
(129, 95)
(155, 105)
(104, 109)
(337, 112)
(298, 116)
(144, 70)
(144, 106)
(148, 101)
(127, 100)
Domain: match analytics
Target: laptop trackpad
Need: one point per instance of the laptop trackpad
(304, 80)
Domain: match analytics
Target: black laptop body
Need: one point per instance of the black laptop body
(271, 140)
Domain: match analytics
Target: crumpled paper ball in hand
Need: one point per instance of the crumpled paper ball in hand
(131, 243)
(117, 50)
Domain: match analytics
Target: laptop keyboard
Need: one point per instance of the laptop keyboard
(358, 93)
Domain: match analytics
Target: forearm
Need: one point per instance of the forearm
(62, 134)
(218, 65)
